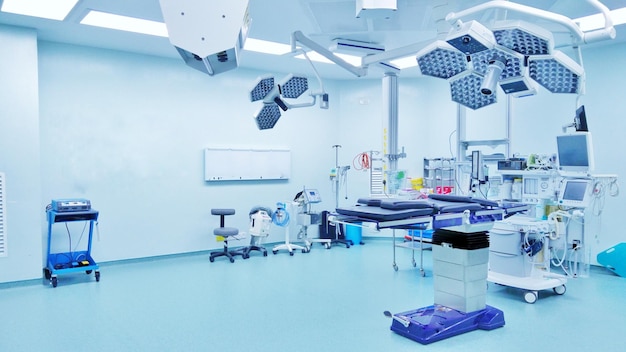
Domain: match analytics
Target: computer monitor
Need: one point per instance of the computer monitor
(580, 120)
(575, 153)
(575, 193)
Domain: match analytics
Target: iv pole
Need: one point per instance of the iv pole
(339, 170)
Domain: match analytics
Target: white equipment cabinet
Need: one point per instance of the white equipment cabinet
(519, 256)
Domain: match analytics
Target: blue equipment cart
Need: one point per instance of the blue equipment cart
(73, 261)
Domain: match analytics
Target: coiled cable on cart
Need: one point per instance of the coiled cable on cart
(281, 216)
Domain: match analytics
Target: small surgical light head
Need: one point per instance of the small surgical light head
(267, 117)
(494, 70)
(293, 86)
(262, 87)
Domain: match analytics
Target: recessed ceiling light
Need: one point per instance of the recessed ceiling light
(590, 23)
(314, 56)
(266, 47)
(125, 23)
(404, 62)
(50, 9)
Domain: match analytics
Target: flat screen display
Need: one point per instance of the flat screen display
(575, 190)
(575, 152)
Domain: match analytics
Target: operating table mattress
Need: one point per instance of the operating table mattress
(369, 212)
(394, 209)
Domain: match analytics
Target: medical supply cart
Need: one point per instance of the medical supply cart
(74, 261)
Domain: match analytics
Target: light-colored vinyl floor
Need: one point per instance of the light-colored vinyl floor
(325, 300)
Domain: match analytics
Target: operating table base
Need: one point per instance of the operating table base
(437, 322)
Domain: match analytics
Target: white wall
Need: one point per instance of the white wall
(19, 154)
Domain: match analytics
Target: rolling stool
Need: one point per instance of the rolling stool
(225, 232)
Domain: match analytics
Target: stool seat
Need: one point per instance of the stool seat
(222, 211)
(225, 231)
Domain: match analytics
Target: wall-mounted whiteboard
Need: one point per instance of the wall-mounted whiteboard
(230, 164)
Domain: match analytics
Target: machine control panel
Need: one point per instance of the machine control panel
(312, 196)
(69, 205)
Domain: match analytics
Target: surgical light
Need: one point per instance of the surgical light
(523, 37)
(557, 72)
(273, 94)
(262, 88)
(441, 60)
(465, 90)
(494, 70)
(514, 62)
(293, 86)
(267, 117)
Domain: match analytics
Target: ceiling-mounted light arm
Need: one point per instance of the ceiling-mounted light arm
(298, 36)
(580, 37)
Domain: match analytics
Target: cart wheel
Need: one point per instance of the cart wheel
(530, 297)
(559, 290)
(304, 250)
(88, 272)
(274, 252)
(211, 259)
(395, 267)
(422, 272)
(54, 282)
(327, 245)
(97, 276)
(232, 260)
(291, 253)
(245, 256)
(414, 264)
(47, 273)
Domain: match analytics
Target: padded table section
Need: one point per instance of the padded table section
(368, 212)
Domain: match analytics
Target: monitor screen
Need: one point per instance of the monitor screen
(574, 193)
(575, 152)
(580, 121)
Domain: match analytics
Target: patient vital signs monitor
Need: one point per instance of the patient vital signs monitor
(575, 153)
(575, 193)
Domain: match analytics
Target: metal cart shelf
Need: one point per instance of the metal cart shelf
(61, 263)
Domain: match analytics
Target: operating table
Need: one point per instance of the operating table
(460, 258)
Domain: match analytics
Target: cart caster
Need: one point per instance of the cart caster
(395, 267)
(530, 297)
(274, 252)
(97, 276)
(291, 253)
(414, 264)
(306, 250)
(87, 272)
(265, 254)
(232, 260)
(54, 281)
(245, 256)
(327, 245)
(47, 273)
(422, 272)
(211, 259)
(559, 290)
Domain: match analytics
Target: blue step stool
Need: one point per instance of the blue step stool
(614, 259)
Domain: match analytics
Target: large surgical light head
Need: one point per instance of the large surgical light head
(523, 37)
(441, 60)
(207, 34)
(558, 73)
(465, 90)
